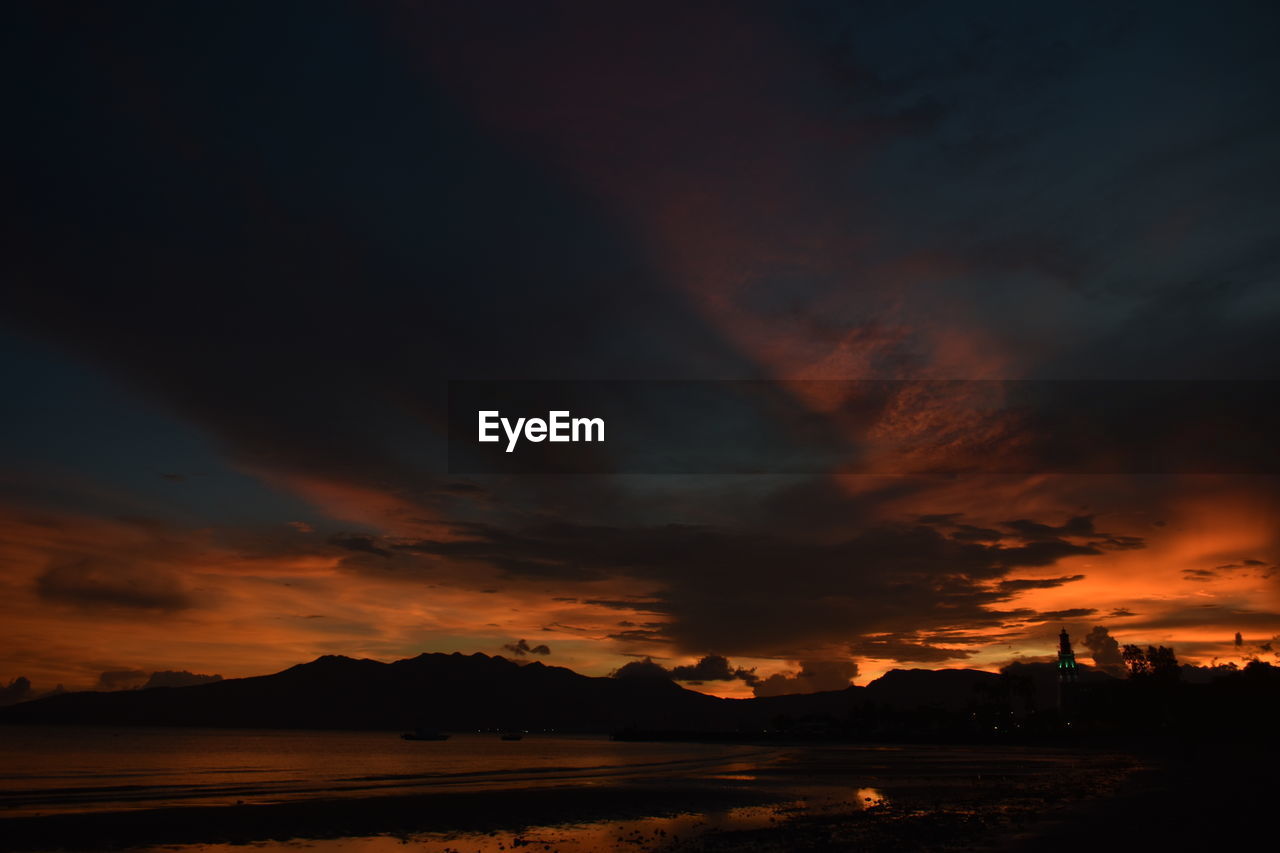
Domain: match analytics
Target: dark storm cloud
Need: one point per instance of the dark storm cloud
(358, 543)
(1079, 527)
(639, 635)
(92, 582)
(753, 592)
(713, 668)
(1035, 531)
(814, 676)
(1121, 543)
(520, 648)
(575, 552)
(1105, 650)
(1020, 584)
(134, 679)
(969, 533)
(1070, 613)
(907, 649)
(647, 632)
(1259, 568)
(121, 679)
(178, 678)
(643, 605)
(647, 669)
(708, 668)
(1044, 552)
(17, 690)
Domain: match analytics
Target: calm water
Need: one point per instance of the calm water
(700, 796)
(60, 769)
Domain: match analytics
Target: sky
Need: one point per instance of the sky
(250, 245)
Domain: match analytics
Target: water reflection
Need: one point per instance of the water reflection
(651, 833)
(367, 792)
(52, 770)
(645, 834)
(869, 798)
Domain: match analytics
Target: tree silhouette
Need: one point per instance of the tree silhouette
(1164, 664)
(1155, 662)
(1136, 661)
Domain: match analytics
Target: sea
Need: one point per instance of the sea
(58, 769)
(148, 790)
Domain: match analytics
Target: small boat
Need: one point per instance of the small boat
(512, 735)
(424, 734)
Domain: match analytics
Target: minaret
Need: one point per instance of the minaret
(1066, 672)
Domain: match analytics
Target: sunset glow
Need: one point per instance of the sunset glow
(235, 319)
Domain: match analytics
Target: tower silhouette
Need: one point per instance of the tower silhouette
(1067, 672)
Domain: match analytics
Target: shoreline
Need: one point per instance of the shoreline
(342, 817)
(807, 799)
(810, 798)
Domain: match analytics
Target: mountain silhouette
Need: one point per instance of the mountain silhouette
(468, 692)
(448, 691)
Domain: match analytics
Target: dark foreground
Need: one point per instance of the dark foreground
(797, 799)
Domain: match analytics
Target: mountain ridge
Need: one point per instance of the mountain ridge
(456, 691)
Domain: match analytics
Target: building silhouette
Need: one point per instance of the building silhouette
(1067, 674)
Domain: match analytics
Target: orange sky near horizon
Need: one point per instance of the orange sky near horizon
(278, 597)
